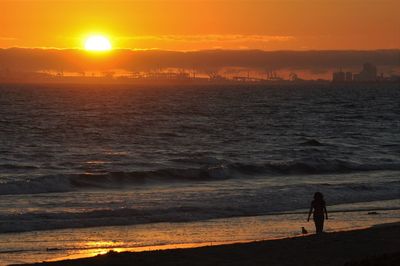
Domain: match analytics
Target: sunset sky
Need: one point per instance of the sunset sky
(183, 25)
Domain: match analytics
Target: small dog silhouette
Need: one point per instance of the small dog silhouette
(304, 231)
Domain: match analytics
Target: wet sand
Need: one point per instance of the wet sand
(378, 245)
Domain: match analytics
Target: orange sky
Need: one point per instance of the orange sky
(197, 24)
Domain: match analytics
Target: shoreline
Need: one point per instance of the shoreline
(56, 245)
(335, 248)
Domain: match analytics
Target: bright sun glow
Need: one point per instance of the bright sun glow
(97, 43)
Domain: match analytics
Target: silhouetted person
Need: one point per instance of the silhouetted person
(319, 207)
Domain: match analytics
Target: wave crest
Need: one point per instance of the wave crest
(64, 183)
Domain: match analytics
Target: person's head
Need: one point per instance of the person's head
(318, 196)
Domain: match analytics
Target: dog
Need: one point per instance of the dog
(304, 231)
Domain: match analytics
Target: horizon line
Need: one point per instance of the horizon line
(189, 51)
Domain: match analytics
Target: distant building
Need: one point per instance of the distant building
(368, 73)
(349, 76)
(338, 76)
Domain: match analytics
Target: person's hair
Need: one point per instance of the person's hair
(318, 196)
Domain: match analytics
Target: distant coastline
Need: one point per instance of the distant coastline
(158, 66)
(183, 82)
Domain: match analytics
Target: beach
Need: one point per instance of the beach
(77, 243)
(377, 244)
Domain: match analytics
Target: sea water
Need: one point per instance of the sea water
(84, 156)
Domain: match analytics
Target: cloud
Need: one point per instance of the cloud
(206, 41)
(129, 60)
(212, 38)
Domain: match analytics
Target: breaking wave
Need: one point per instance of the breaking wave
(65, 183)
(263, 201)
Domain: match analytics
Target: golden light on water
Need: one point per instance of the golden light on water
(97, 43)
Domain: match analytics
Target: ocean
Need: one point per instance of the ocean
(83, 156)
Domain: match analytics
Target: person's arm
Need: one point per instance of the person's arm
(326, 213)
(309, 213)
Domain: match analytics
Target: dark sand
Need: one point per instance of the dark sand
(379, 245)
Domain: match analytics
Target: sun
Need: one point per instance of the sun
(97, 43)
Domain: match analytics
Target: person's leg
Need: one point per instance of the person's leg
(322, 224)
(316, 225)
(319, 224)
